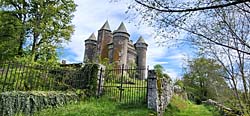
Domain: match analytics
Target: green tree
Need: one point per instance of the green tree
(204, 80)
(220, 28)
(171, 17)
(159, 70)
(45, 25)
(10, 29)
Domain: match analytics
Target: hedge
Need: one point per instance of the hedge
(29, 102)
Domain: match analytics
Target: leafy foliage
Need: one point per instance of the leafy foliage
(30, 102)
(24, 76)
(204, 80)
(10, 29)
(159, 72)
(90, 72)
(42, 26)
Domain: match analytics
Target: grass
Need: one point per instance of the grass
(107, 107)
(98, 107)
(129, 94)
(180, 107)
(135, 92)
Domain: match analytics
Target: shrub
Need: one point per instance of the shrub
(30, 102)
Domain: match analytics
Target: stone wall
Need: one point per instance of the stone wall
(160, 92)
(165, 93)
(226, 111)
(152, 90)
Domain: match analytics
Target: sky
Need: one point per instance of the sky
(92, 14)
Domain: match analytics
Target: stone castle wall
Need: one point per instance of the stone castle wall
(117, 47)
(104, 38)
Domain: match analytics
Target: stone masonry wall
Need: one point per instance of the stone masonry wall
(165, 93)
(152, 90)
(160, 92)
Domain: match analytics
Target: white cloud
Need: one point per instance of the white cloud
(91, 15)
(172, 73)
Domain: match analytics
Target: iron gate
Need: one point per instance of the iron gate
(126, 85)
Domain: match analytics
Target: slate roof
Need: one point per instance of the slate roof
(92, 37)
(122, 28)
(106, 26)
(140, 40)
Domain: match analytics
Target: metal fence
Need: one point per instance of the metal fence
(26, 77)
(125, 84)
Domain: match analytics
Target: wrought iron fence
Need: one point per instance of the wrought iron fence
(125, 84)
(22, 76)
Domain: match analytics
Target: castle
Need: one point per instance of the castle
(116, 46)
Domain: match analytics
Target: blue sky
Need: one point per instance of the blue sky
(91, 15)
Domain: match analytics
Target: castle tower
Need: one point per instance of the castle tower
(104, 38)
(90, 49)
(120, 45)
(141, 49)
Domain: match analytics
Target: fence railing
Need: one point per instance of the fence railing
(126, 84)
(22, 76)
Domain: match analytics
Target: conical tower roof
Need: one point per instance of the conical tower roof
(106, 26)
(122, 28)
(92, 37)
(141, 40)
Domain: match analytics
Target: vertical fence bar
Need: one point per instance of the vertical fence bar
(121, 83)
(10, 75)
(137, 86)
(51, 73)
(37, 77)
(6, 75)
(14, 78)
(28, 78)
(1, 75)
(44, 81)
(100, 82)
(31, 76)
(147, 83)
(2, 68)
(125, 75)
(20, 76)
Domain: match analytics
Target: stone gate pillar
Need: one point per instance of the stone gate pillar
(159, 93)
(152, 90)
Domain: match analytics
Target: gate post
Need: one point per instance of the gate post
(152, 90)
(99, 83)
(100, 80)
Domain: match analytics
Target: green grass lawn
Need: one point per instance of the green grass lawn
(130, 92)
(98, 107)
(107, 107)
(180, 107)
